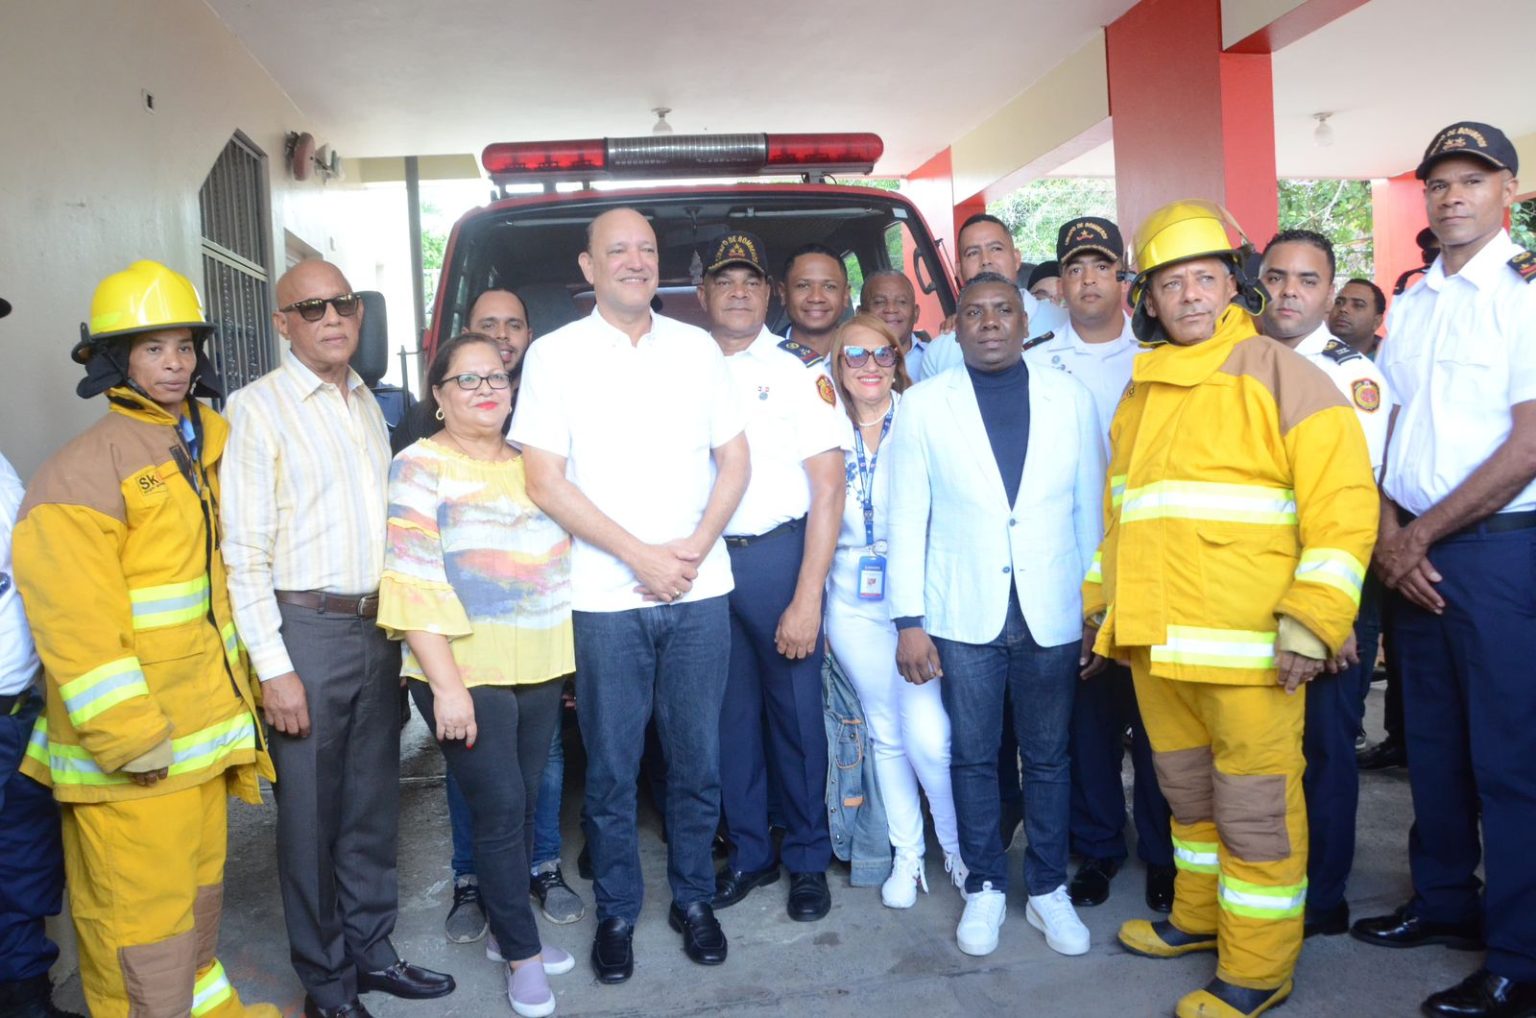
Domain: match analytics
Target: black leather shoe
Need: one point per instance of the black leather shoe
(355, 1009)
(703, 939)
(613, 950)
(809, 897)
(1404, 929)
(1090, 884)
(1380, 756)
(1329, 922)
(402, 979)
(733, 885)
(1484, 995)
(1160, 888)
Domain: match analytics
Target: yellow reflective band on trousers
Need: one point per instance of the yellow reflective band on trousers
(211, 990)
(1095, 569)
(103, 688)
(1117, 490)
(1197, 856)
(1216, 648)
(73, 765)
(1337, 569)
(170, 604)
(1207, 500)
(231, 644)
(1258, 902)
(37, 745)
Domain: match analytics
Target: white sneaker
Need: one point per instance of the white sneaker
(955, 867)
(984, 913)
(900, 888)
(1053, 915)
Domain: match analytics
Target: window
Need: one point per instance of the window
(236, 260)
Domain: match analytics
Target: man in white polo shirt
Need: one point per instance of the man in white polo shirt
(633, 440)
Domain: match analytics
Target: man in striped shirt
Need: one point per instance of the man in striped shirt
(303, 511)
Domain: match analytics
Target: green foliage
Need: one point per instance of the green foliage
(1034, 213)
(1338, 209)
(1522, 227)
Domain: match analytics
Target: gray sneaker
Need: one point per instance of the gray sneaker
(557, 901)
(466, 922)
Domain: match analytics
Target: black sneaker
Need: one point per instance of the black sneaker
(557, 901)
(466, 922)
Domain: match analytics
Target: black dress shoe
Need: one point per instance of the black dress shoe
(1160, 888)
(1330, 922)
(1378, 757)
(703, 939)
(809, 897)
(1090, 884)
(613, 950)
(1484, 995)
(402, 979)
(732, 885)
(1404, 929)
(354, 1009)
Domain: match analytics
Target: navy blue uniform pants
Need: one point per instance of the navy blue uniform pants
(1469, 706)
(31, 857)
(792, 744)
(1102, 708)
(1335, 708)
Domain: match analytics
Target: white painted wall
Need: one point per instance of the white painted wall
(90, 181)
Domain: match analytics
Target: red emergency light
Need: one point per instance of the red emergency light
(682, 155)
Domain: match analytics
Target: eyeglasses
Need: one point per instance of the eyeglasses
(858, 356)
(469, 381)
(313, 310)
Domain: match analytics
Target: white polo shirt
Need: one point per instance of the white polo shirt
(18, 656)
(1361, 382)
(791, 415)
(1460, 352)
(636, 424)
(944, 352)
(1103, 368)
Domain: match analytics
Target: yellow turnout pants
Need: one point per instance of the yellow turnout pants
(1229, 761)
(146, 886)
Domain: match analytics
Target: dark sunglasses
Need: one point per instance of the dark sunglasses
(313, 310)
(858, 356)
(469, 381)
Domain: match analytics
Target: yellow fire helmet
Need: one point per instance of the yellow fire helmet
(1181, 231)
(144, 297)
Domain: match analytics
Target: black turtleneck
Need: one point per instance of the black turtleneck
(1003, 397)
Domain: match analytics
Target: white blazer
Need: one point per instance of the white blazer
(956, 545)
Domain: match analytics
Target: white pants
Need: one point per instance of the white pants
(908, 729)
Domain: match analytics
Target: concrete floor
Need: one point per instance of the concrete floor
(861, 960)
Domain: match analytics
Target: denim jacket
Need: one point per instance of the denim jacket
(855, 813)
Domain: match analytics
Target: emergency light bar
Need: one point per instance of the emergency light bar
(682, 155)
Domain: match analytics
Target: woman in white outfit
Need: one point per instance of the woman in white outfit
(908, 729)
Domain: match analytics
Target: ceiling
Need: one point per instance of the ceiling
(399, 77)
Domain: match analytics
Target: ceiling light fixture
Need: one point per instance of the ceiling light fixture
(1322, 134)
(661, 126)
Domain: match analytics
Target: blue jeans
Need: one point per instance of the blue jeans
(546, 819)
(1041, 682)
(669, 660)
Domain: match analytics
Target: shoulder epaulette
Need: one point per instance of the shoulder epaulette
(807, 355)
(1031, 344)
(1524, 263)
(1340, 352)
(1402, 281)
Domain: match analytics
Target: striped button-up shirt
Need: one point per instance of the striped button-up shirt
(304, 504)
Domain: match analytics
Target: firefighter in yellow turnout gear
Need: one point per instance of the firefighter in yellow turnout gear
(151, 721)
(1240, 513)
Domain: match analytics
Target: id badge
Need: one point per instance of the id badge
(872, 578)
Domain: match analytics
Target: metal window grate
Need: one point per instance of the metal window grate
(236, 248)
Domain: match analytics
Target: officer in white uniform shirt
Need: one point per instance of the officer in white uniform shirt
(1458, 536)
(986, 246)
(781, 542)
(1298, 270)
(1096, 347)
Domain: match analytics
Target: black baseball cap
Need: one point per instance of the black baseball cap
(1043, 271)
(737, 248)
(5, 307)
(1470, 138)
(1089, 233)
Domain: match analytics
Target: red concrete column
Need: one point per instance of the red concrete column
(1189, 120)
(1397, 211)
(931, 187)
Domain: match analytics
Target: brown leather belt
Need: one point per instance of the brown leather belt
(364, 606)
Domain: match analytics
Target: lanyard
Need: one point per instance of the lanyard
(867, 474)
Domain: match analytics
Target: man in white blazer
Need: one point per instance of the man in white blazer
(996, 508)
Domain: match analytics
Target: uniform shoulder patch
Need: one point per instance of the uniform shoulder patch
(807, 355)
(824, 389)
(1524, 264)
(1341, 352)
(1038, 340)
(1366, 394)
